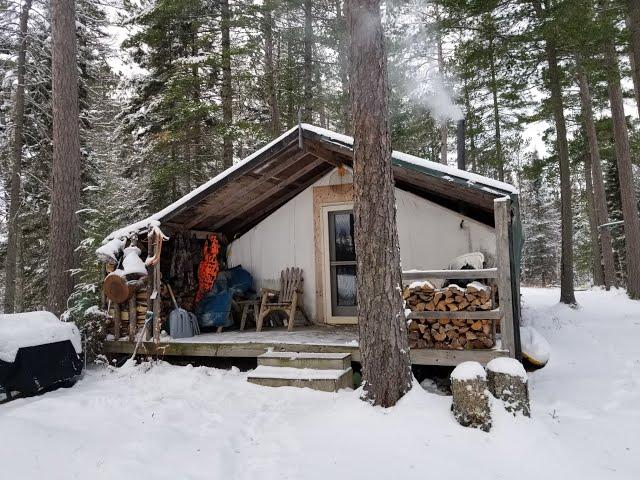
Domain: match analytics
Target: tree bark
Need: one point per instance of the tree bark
(19, 299)
(308, 62)
(625, 170)
(566, 262)
(343, 67)
(227, 92)
(444, 128)
(382, 324)
(599, 195)
(496, 112)
(596, 252)
(633, 24)
(567, 294)
(15, 200)
(65, 195)
(322, 111)
(269, 68)
(470, 126)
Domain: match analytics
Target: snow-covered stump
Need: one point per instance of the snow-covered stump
(508, 382)
(470, 404)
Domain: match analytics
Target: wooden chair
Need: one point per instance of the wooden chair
(288, 299)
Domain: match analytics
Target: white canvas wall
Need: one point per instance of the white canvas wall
(430, 236)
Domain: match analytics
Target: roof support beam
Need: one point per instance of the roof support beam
(264, 157)
(313, 162)
(266, 177)
(263, 212)
(333, 146)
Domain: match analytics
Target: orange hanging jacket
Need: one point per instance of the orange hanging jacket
(209, 267)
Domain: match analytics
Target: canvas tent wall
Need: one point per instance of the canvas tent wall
(430, 236)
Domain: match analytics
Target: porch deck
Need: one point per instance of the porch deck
(248, 344)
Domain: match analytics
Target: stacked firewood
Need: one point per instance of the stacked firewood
(141, 310)
(447, 331)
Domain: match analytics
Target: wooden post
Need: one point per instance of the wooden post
(156, 301)
(153, 286)
(116, 321)
(103, 297)
(150, 273)
(133, 325)
(502, 213)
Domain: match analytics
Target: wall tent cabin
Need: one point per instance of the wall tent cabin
(289, 205)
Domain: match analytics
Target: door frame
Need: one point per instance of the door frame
(326, 270)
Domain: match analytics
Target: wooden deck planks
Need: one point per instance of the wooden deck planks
(252, 349)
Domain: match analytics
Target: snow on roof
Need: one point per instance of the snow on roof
(487, 184)
(156, 217)
(470, 177)
(29, 329)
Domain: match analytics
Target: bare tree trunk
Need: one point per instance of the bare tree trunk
(65, 195)
(343, 66)
(599, 194)
(496, 113)
(15, 200)
(290, 67)
(596, 253)
(308, 62)
(567, 294)
(227, 92)
(19, 303)
(625, 171)
(444, 128)
(470, 127)
(322, 112)
(382, 324)
(269, 68)
(633, 24)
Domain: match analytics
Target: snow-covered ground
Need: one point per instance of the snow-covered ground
(167, 422)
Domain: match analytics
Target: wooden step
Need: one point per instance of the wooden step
(316, 379)
(318, 361)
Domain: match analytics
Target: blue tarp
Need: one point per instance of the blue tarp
(213, 310)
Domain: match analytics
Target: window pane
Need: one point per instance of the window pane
(344, 242)
(346, 285)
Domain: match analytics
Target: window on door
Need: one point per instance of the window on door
(342, 263)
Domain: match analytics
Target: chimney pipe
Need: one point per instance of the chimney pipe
(460, 137)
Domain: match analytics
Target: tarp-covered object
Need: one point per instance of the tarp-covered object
(41, 367)
(29, 329)
(37, 351)
(213, 310)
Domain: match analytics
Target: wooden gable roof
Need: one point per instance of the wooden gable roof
(242, 196)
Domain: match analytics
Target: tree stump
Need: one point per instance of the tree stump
(470, 404)
(508, 382)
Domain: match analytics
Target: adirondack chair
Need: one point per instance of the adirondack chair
(288, 299)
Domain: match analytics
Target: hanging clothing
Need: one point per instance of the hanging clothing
(182, 263)
(209, 267)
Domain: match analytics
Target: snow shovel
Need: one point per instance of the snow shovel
(182, 324)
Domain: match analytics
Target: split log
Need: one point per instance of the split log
(470, 404)
(118, 289)
(508, 382)
(115, 287)
(468, 333)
